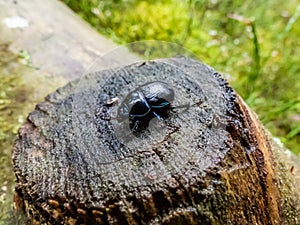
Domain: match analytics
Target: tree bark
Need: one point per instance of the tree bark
(209, 162)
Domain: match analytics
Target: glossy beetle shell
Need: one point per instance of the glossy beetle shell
(144, 103)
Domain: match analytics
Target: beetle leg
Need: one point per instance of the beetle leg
(173, 129)
(157, 116)
(135, 126)
(186, 106)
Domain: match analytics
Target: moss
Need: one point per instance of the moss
(21, 86)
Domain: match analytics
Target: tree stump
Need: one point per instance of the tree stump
(209, 161)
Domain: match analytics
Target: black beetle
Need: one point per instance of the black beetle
(152, 100)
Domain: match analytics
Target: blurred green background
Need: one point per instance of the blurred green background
(253, 44)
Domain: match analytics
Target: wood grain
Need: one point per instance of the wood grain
(210, 164)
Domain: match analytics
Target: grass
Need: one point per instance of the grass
(254, 44)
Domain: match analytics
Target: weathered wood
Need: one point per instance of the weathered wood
(210, 163)
(58, 47)
(58, 42)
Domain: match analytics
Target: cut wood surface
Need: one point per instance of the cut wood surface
(210, 162)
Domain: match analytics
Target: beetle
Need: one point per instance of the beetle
(151, 100)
